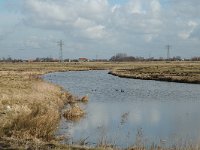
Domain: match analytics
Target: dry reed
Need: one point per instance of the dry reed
(30, 109)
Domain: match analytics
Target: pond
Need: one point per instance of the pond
(122, 111)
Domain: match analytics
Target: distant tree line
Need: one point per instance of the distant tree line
(119, 57)
(46, 59)
(195, 59)
(9, 59)
(124, 57)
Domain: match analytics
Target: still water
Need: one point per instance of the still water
(119, 108)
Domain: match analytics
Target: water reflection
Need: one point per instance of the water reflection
(162, 110)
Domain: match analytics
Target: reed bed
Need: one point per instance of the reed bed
(30, 108)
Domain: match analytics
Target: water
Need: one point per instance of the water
(119, 108)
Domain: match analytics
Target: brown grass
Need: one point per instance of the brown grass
(30, 109)
(74, 112)
(29, 106)
(84, 99)
(184, 72)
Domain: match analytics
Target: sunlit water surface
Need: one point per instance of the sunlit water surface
(119, 108)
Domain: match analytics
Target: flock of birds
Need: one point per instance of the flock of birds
(121, 90)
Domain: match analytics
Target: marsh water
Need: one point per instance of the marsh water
(120, 110)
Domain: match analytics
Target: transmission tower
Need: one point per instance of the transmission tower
(60, 44)
(168, 51)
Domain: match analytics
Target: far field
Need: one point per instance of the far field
(184, 72)
(30, 108)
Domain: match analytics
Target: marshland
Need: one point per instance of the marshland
(33, 101)
(99, 74)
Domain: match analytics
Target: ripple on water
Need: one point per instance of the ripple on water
(162, 110)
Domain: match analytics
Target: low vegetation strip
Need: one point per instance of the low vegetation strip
(171, 72)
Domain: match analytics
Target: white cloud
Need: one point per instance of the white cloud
(155, 6)
(148, 38)
(99, 25)
(188, 30)
(192, 24)
(83, 23)
(78, 16)
(96, 31)
(135, 7)
(115, 8)
(184, 35)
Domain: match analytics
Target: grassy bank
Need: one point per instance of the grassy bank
(183, 72)
(30, 108)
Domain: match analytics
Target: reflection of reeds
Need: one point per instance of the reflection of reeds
(103, 140)
(74, 112)
(141, 142)
(124, 118)
(30, 108)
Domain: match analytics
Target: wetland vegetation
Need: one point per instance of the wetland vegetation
(30, 108)
(184, 72)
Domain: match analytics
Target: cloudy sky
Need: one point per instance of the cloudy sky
(102, 28)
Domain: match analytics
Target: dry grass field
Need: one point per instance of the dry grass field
(30, 108)
(184, 72)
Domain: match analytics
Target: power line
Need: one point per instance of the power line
(60, 44)
(168, 51)
(96, 57)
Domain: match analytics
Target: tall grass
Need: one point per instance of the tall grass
(30, 109)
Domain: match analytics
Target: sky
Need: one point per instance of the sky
(99, 28)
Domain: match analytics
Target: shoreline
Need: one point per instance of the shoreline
(178, 72)
(162, 79)
(30, 106)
